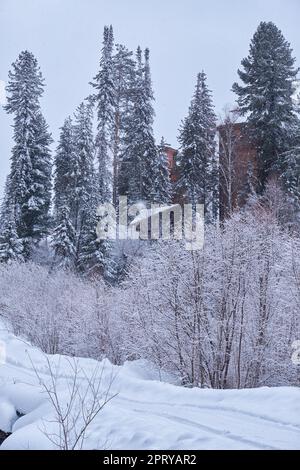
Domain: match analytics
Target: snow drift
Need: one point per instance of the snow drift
(144, 413)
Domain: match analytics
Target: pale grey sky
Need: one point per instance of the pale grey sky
(184, 37)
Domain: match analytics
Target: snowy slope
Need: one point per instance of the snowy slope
(146, 413)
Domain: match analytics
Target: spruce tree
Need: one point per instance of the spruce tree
(64, 240)
(66, 172)
(11, 246)
(162, 187)
(265, 96)
(104, 99)
(150, 158)
(37, 206)
(139, 151)
(6, 205)
(84, 155)
(29, 187)
(123, 70)
(93, 253)
(130, 169)
(74, 187)
(291, 174)
(196, 158)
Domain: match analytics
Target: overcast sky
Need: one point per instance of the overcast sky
(184, 37)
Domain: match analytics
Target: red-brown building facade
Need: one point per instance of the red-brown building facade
(237, 167)
(171, 156)
(238, 170)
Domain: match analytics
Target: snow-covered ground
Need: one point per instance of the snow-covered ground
(146, 413)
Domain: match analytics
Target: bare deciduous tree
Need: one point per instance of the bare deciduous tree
(73, 414)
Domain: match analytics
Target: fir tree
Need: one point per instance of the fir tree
(123, 70)
(11, 246)
(130, 169)
(93, 253)
(139, 151)
(151, 162)
(75, 188)
(268, 75)
(66, 172)
(196, 159)
(6, 205)
(291, 174)
(36, 208)
(162, 187)
(104, 99)
(29, 187)
(64, 240)
(84, 155)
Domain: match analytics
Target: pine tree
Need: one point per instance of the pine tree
(66, 172)
(139, 151)
(123, 70)
(93, 253)
(30, 161)
(64, 240)
(150, 158)
(196, 159)
(104, 99)
(37, 206)
(162, 187)
(11, 246)
(84, 155)
(130, 169)
(268, 75)
(76, 191)
(291, 174)
(6, 205)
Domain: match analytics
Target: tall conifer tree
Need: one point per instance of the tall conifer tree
(139, 151)
(29, 178)
(104, 99)
(265, 96)
(196, 158)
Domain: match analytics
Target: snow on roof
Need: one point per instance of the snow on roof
(147, 213)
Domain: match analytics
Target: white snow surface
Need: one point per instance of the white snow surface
(146, 413)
